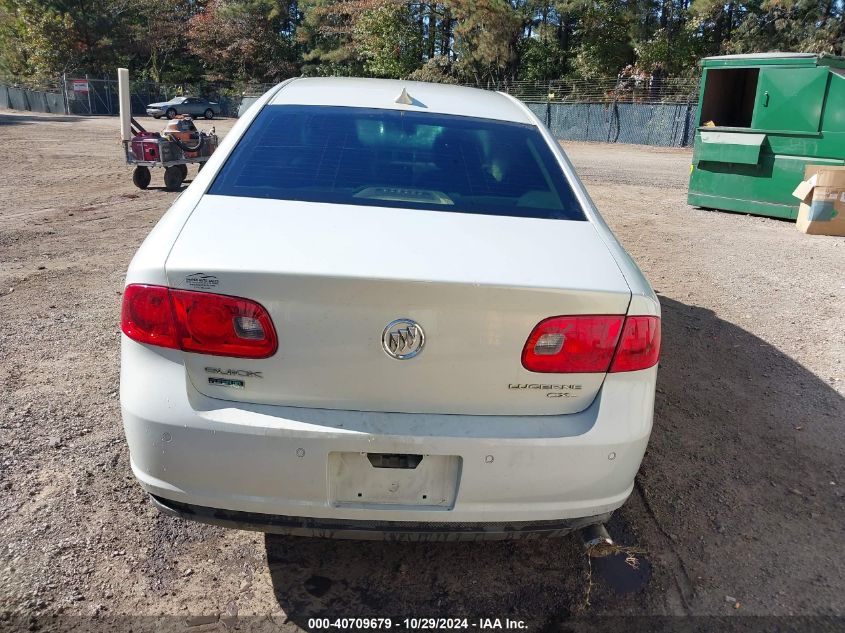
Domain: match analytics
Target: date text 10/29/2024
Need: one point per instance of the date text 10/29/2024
(417, 624)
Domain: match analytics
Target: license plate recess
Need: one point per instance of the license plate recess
(391, 480)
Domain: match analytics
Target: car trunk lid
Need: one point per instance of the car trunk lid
(334, 276)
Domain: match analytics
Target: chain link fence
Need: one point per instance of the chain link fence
(644, 111)
(667, 125)
(647, 111)
(607, 90)
(31, 96)
(87, 96)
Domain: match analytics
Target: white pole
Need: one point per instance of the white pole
(125, 108)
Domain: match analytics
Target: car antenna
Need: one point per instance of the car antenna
(404, 98)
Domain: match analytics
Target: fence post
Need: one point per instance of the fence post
(107, 86)
(685, 136)
(549, 110)
(65, 98)
(90, 111)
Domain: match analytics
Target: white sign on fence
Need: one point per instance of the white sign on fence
(80, 85)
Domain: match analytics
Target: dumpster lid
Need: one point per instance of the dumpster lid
(773, 59)
(762, 55)
(730, 147)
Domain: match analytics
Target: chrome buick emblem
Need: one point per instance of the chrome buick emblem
(403, 339)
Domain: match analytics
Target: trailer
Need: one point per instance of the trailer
(762, 118)
(173, 150)
(180, 144)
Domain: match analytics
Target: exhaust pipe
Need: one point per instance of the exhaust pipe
(597, 541)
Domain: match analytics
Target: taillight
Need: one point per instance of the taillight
(592, 344)
(572, 344)
(147, 316)
(198, 322)
(639, 347)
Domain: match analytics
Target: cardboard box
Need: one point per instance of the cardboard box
(822, 196)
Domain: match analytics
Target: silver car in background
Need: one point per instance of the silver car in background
(195, 106)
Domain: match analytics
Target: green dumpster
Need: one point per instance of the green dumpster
(761, 119)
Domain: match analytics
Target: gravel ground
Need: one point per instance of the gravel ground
(738, 508)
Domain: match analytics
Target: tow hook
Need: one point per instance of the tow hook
(597, 541)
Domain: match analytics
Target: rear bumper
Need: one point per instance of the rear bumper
(239, 464)
(374, 530)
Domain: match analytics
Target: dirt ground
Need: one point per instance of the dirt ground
(738, 508)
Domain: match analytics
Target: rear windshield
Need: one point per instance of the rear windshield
(391, 158)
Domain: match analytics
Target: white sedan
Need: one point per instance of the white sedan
(387, 308)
